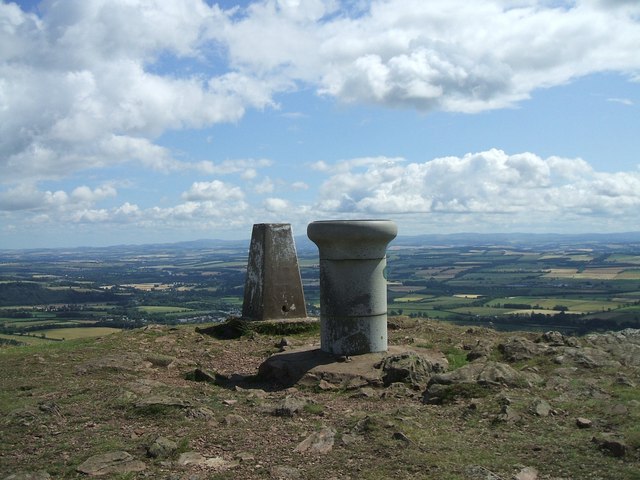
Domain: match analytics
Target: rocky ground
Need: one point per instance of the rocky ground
(446, 402)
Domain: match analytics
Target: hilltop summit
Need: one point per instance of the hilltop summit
(175, 403)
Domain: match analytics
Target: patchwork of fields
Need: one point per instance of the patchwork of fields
(50, 295)
(573, 287)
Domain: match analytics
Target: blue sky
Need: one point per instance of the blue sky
(159, 121)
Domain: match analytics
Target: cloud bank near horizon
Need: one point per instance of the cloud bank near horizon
(502, 191)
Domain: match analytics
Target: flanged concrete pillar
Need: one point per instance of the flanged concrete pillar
(273, 288)
(353, 287)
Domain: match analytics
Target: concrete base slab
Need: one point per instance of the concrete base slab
(310, 366)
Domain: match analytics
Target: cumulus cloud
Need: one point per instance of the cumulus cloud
(490, 182)
(265, 186)
(214, 190)
(452, 55)
(85, 84)
(28, 197)
(81, 85)
(276, 205)
(246, 167)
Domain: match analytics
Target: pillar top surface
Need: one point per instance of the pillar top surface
(352, 239)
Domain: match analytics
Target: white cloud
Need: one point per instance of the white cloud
(446, 54)
(246, 167)
(276, 205)
(28, 197)
(265, 186)
(85, 195)
(79, 87)
(485, 183)
(485, 191)
(84, 85)
(299, 186)
(623, 101)
(214, 191)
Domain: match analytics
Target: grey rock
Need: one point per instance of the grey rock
(610, 445)
(489, 373)
(284, 342)
(516, 349)
(623, 346)
(618, 409)
(591, 357)
(159, 360)
(508, 414)
(203, 375)
(233, 419)
(480, 350)
(191, 458)
(289, 406)
(366, 392)
(582, 422)
(623, 380)
(320, 442)
(162, 447)
(40, 475)
(285, 473)
(400, 437)
(527, 473)
(111, 463)
(324, 385)
(201, 413)
(485, 374)
(410, 368)
(477, 472)
(196, 458)
(398, 390)
(245, 457)
(552, 338)
(540, 407)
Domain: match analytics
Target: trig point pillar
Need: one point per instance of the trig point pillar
(353, 287)
(273, 288)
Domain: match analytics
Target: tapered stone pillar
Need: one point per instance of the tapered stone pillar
(273, 288)
(353, 286)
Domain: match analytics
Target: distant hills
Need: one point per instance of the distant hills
(304, 244)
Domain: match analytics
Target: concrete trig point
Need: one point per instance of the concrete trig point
(273, 288)
(353, 287)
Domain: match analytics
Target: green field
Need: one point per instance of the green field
(162, 309)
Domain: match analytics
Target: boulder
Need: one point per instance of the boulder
(289, 406)
(622, 346)
(470, 379)
(610, 445)
(589, 357)
(480, 350)
(162, 447)
(320, 442)
(516, 349)
(540, 408)
(552, 338)
(111, 463)
(410, 368)
(582, 422)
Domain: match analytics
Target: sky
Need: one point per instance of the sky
(154, 121)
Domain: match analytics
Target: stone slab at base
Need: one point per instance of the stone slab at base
(308, 366)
